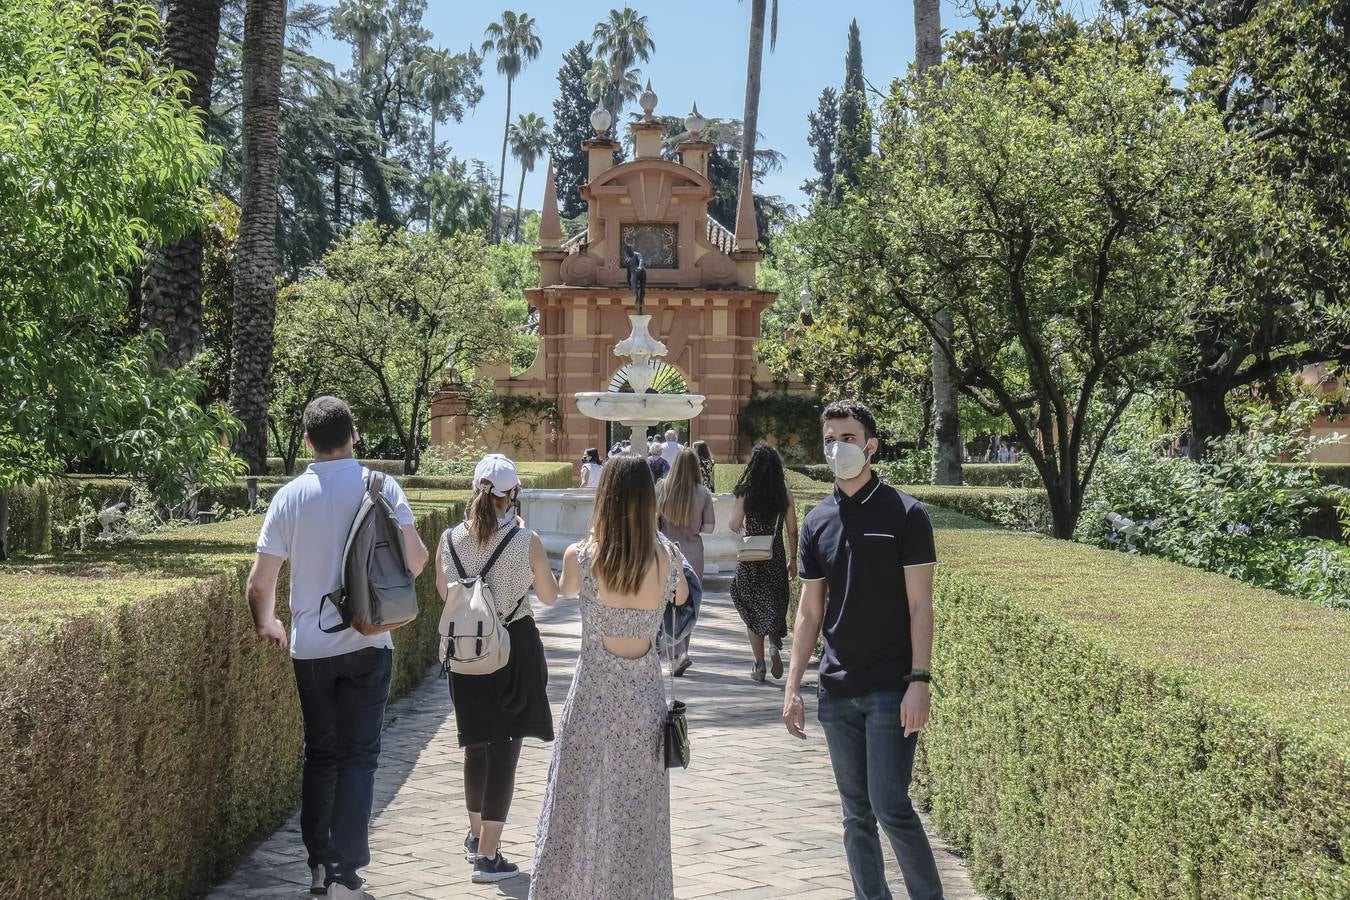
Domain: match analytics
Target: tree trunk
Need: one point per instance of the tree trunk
(501, 169)
(753, 70)
(4, 525)
(171, 288)
(947, 426)
(1209, 414)
(520, 195)
(431, 195)
(255, 292)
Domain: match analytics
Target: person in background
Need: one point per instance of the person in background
(616, 449)
(867, 557)
(759, 590)
(342, 678)
(657, 463)
(604, 831)
(495, 713)
(685, 513)
(705, 465)
(671, 448)
(590, 468)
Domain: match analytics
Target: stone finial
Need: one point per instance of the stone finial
(694, 124)
(747, 230)
(648, 101)
(550, 223)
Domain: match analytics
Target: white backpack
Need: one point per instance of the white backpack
(474, 641)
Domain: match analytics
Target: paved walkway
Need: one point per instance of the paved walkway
(755, 816)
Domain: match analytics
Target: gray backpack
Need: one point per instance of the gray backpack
(377, 593)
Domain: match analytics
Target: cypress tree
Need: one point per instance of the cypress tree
(855, 119)
(572, 125)
(823, 136)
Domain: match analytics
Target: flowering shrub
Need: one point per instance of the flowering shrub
(1238, 512)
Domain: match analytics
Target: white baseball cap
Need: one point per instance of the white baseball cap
(498, 470)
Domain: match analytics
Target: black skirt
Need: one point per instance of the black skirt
(511, 702)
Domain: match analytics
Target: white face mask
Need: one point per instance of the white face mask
(845, 460)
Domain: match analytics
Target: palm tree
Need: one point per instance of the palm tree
(622, 40)
(946, 425)
(516, 42)
(171, 289)
(611, 87)
(754, 67)
(255, 279)
(529, 140)
(440, 79)
(361, 21)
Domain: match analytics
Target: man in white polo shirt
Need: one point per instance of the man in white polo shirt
(342, 678)
(671, 448)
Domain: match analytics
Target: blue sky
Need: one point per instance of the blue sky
(700, 56)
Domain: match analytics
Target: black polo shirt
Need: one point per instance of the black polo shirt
(860, 546)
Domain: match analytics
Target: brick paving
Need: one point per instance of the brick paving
(755, 816)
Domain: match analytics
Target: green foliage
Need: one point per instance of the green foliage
(854, 143)
(1236, 512)
(101, 154)
(823, 136)
(791, 422)
(1019, 509)
(153, 707)
(571, 126)
(1165, 730)
(997, 475)
(398, 312)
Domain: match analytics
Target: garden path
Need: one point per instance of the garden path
(755, 816)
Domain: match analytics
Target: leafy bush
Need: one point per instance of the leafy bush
(1237, 513)
(1117, 726)
(999, 475)
(1021, 509)
(149, 737)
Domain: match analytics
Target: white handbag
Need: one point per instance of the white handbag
(758, 547)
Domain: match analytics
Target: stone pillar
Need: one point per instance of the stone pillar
(694, 154)
(647, 139)
(599, 156)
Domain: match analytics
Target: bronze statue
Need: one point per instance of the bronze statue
(637, 274)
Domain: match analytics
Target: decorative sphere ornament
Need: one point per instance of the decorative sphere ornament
(601, 120)
(694, 123)
(648, 100)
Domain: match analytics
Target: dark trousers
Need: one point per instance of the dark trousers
(490, 778)
(872, 762)
(342, 700)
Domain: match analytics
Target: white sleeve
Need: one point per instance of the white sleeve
(398, 500)
(275, 537)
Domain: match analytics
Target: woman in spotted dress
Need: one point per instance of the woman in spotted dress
(605, 827)
(759, 590)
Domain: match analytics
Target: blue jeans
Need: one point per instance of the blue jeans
(342, 700)
(872, 762)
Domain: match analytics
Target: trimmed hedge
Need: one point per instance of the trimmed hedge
(998, 475)
(1021, 509)
(147, 736)
(1118, 726)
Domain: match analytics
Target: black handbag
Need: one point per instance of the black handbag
(675, 734)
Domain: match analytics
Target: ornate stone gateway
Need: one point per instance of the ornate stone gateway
(699, 292)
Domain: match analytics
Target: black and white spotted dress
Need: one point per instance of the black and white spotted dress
(759, 590)
(604, 833)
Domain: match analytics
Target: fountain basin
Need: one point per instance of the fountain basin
(630, 409)
(562, 517)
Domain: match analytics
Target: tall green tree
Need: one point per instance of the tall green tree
(255, 286)
(103, 151)
(529, 140)
(441, 76)
(406, 311)
(1056, 237)
(754, 74)
(823, 136)
(516, 42)
(855, 117)
(171, 287)
(571, 126)
(622, 40)
(612, 86)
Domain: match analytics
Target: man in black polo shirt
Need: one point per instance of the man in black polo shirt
(867, 561)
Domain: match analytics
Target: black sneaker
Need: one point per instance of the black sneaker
(487, 869)
(470, 847)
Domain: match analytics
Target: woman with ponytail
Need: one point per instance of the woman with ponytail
(495, 713)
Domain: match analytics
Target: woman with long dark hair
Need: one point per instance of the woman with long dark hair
(685, 510)
(759, 590)
(705, 465)
(605, 826)
(495, 713)
(590, 468)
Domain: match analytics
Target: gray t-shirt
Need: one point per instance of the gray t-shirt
(307, 523)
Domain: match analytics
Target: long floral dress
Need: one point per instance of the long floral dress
(605, 827)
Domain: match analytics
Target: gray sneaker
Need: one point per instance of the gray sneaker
(757, 673)
(316, 885)
(338, 891)
(470, 847)
(490, 869)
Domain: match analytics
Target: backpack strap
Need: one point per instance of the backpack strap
(374, 483)
(374, 486)
(498, 552)
(450, 545)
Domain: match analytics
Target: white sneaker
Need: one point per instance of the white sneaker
(316, 876)
(338, 891)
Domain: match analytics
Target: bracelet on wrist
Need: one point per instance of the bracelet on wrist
(927, 678)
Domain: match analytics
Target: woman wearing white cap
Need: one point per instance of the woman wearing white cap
(494, 713)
